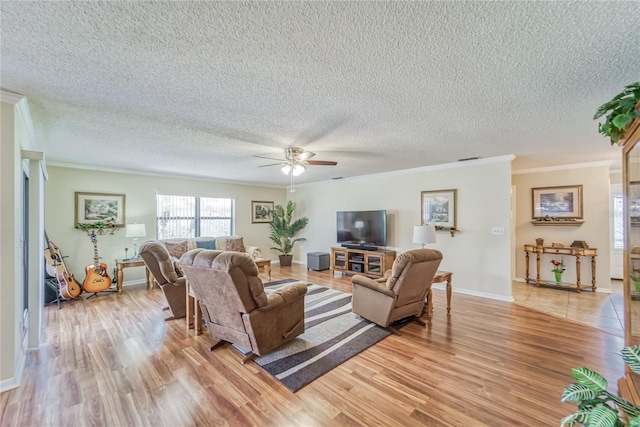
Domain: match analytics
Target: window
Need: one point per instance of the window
(190, 216)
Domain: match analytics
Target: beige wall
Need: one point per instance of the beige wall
(481, 262)
(15, 136)
(9, 249)
(140, 191)
(595, 230)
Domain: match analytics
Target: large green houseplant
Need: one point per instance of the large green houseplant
(597, 407)
(283, 231)
(619, 112)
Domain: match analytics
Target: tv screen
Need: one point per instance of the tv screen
(362, 228)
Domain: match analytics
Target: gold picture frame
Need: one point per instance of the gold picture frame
(439, 208)
(94, 208)
(564, 202)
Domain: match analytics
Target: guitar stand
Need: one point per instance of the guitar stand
(95, 294)
(53, 285)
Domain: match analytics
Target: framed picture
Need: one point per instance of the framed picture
(439, 208)
(560, 202)
(261, 212)
(100, 207)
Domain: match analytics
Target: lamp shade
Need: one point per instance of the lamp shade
(135, 230)
(424, 234)
(295, 169)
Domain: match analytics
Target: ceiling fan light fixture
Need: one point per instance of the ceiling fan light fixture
(298, 169)
(286, 169)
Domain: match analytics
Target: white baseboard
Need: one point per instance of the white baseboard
(16, 381)
(134, 282)
(487, 295)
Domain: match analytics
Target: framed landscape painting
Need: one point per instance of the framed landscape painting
(261, 212)
(560, 202)
(439, 208)
(100, 207)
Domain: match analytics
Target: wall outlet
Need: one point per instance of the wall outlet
(497, 231)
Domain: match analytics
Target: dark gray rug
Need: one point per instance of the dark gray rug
(333, 334)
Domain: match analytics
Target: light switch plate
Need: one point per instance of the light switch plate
(497, 231)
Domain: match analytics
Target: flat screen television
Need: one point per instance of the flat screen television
(362, 229)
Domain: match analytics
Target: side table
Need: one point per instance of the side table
(266, 264)
(121, 264)
(441, 276)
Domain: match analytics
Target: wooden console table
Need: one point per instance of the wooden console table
(358, 261)
(570, 251)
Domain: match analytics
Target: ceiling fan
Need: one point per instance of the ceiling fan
(296, 161)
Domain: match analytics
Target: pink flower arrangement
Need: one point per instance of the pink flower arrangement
(558, 267)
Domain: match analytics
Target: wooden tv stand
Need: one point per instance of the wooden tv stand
(358, 261)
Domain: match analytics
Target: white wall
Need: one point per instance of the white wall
(140, 205)
(481, 262)
(594, 178)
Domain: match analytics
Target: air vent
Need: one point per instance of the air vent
(468, 158)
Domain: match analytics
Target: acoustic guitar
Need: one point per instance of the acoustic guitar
(97, 279)
(68, 285)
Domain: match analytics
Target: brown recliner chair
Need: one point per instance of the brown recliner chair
(235, 306)
(174, 286)
(401, 293)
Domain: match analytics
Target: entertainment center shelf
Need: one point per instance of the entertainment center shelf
(359, 261)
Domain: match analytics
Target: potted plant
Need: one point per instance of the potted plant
(620, 111)
(284, 230)
(596, 405)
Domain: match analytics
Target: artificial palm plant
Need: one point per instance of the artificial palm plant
(619, 112)
(284, 229)
(597, 407)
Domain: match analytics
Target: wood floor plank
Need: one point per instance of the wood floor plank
(113, 360)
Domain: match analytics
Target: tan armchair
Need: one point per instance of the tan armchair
(401, 293)
(157, 259)
(235, 306)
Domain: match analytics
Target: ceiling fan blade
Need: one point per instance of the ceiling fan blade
(321, 163)
(306, 155)
(273, 164)
(270, 158)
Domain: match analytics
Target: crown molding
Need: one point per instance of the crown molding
(563, 167)
(453, 165)
(160, 174)
(23, 114)
(10, 97)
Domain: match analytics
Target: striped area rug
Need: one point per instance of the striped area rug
(333, 334)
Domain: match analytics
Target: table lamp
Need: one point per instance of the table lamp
(135, 231)
(424, 234)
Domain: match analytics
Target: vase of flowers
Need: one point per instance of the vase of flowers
(558, 269)
(635, 277)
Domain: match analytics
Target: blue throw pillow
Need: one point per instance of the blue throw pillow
(206, 244)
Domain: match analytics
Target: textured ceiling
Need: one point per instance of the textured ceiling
(198, 88)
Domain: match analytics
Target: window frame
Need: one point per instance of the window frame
(197, 218)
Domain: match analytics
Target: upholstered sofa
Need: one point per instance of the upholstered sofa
(179, 246)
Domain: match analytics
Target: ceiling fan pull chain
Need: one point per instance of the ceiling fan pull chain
(292, 188)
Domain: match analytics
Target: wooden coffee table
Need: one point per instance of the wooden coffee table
(266, 263)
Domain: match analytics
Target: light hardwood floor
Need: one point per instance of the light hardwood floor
(114, 361)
